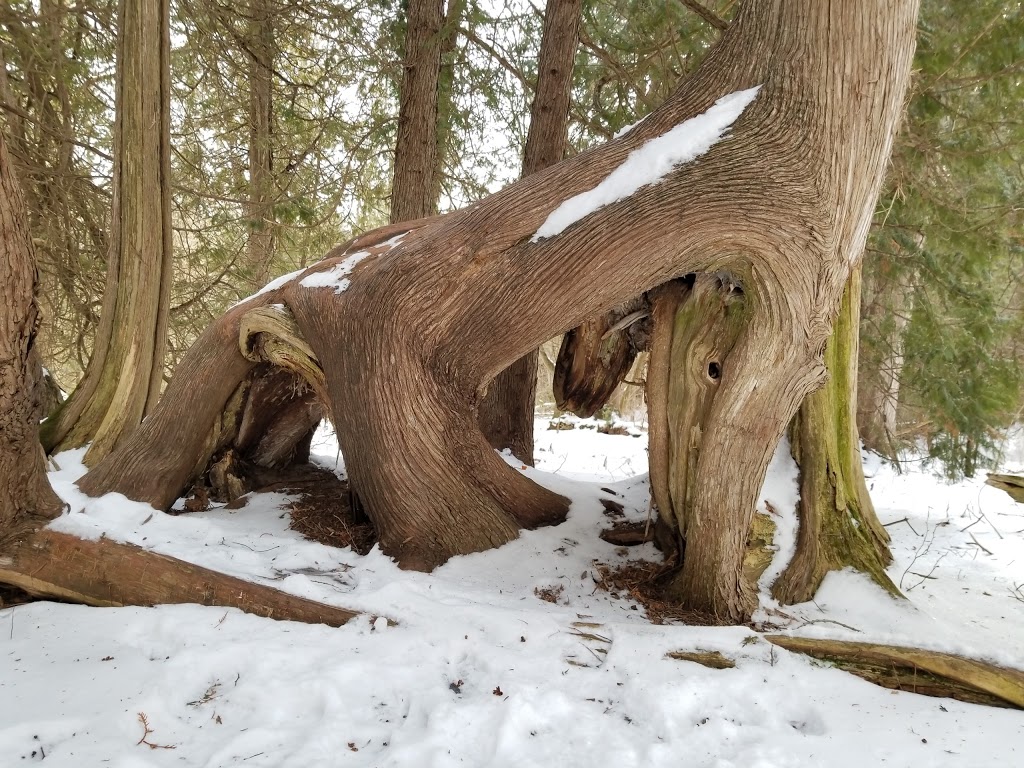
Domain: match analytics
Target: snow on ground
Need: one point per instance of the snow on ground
(479, 671)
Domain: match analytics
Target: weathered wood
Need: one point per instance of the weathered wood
(930, 673)
(595, 357)
(712, 659)
(1012, 484)
(108, 573)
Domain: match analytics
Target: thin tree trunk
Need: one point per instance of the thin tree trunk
(453, 19)
(838, 525)
(125, 373)
(26, 499)
(413, 191)
(888, 304)
(260, 208)
(506, 413)
(408, 336)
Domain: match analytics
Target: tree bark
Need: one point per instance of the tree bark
(259, 249)
(413, 192)
(596, 357)
(838, 525)
(887, 306)
(123, 380)
(506, 413)
(26, 499)
(695, 328)
(54, 565)
(408, 336)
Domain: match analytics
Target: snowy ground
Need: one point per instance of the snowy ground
(480, 671)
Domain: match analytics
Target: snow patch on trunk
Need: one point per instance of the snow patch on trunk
(273, 285)
(651, 162)
(337, 276)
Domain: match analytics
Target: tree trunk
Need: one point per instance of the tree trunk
(26, 499)
(413, 191)
(887, 306)
(123, 380)
(455, 12)
(838, 526)
(506, 413)
(259, 249)
(595, 358)
(695, 328)
(54, 565)
(780, 199)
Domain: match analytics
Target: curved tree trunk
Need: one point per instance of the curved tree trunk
(123, 380)
(838, 525)
(506, 413)
(409, 335)
(413, 192)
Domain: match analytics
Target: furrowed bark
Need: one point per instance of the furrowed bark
(123, 380)
(26, 499)
(413, 190)
(259, 248)
(784, 199)
(507, 410)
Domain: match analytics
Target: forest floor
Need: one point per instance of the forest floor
(513, 657)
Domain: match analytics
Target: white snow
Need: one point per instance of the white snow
(779, 497)
(652, 162)
(481, 672)
(273, 285)
(337, 276)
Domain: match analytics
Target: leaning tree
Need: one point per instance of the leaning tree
(762, 170)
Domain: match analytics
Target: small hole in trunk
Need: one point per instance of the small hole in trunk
(714, 371)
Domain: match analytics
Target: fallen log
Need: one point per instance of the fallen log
(915, 670)
(108, 573)
(1012, 484)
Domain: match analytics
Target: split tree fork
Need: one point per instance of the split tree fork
(782, 204)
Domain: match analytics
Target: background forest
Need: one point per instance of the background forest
(284, 120)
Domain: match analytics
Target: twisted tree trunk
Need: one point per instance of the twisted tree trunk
(408, 335)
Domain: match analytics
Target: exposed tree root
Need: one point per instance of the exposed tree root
(915, 670)
(108, 573)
